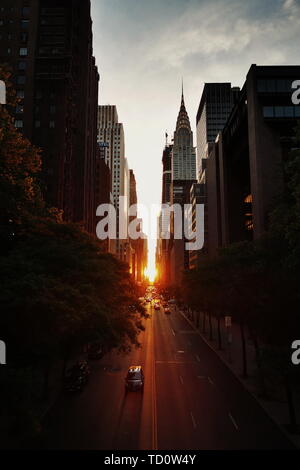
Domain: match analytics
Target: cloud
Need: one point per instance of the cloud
(144, 47)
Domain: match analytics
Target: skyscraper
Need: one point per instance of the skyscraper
(183, 151)
(162, 248)
(183, 176)
(48, 47)
(111, 134)
(215, 106)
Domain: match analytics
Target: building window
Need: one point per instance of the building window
(23, 51)
(52, 109)
(25, 12)
(39, 95)
(52, 124)
(19, 124)
(37, 124)
(1, 22)
(22, 65)
(24, 37)
(268, 111)
(9, 51)
(24, 24)
(21, 80)
(20, 94)
(19, 109)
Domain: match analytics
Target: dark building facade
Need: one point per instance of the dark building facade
(216, 103)
(197, 196)
(167, 173)
(102, 186)
(48, 46)
(244, 169)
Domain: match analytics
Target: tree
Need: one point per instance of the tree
(58, 291)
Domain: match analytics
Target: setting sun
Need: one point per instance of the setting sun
(151, 273)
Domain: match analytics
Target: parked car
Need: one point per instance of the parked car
(134, 380)
(157, 306)
(167, 310)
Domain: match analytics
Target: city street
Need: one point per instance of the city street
(190, 401)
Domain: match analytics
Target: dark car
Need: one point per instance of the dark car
(135, 379)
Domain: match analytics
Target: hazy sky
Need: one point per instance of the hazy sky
(144, 47)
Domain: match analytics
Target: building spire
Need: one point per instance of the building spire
(183, 119)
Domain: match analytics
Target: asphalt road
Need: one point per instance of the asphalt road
(190, 400)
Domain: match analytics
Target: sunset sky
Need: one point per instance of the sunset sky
(143, 48)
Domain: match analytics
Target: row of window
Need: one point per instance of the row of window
(24, 23)
(281, 111)
(20, 109)
(275, 85)
(19, 124)
(10, 37)
(38, 95)
(25, 11)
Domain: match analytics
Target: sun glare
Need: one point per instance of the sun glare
(151, 273)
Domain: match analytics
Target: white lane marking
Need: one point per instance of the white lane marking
(174, 334)
(180, 352)
(201, 377)
(193, 421)
(181, 379)
(198, 358)
(210, 381)
(233, 421)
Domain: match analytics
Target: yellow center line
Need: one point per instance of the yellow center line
(154, 405)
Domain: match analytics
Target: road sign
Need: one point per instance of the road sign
(228, 321)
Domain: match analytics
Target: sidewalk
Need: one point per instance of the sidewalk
(231, 355)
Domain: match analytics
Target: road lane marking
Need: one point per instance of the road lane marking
(193, 421)
(174, 334)
(180, 352)
(198, 358)
(233, 421)
(181, 379)
(210, 381)
(201, 377)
